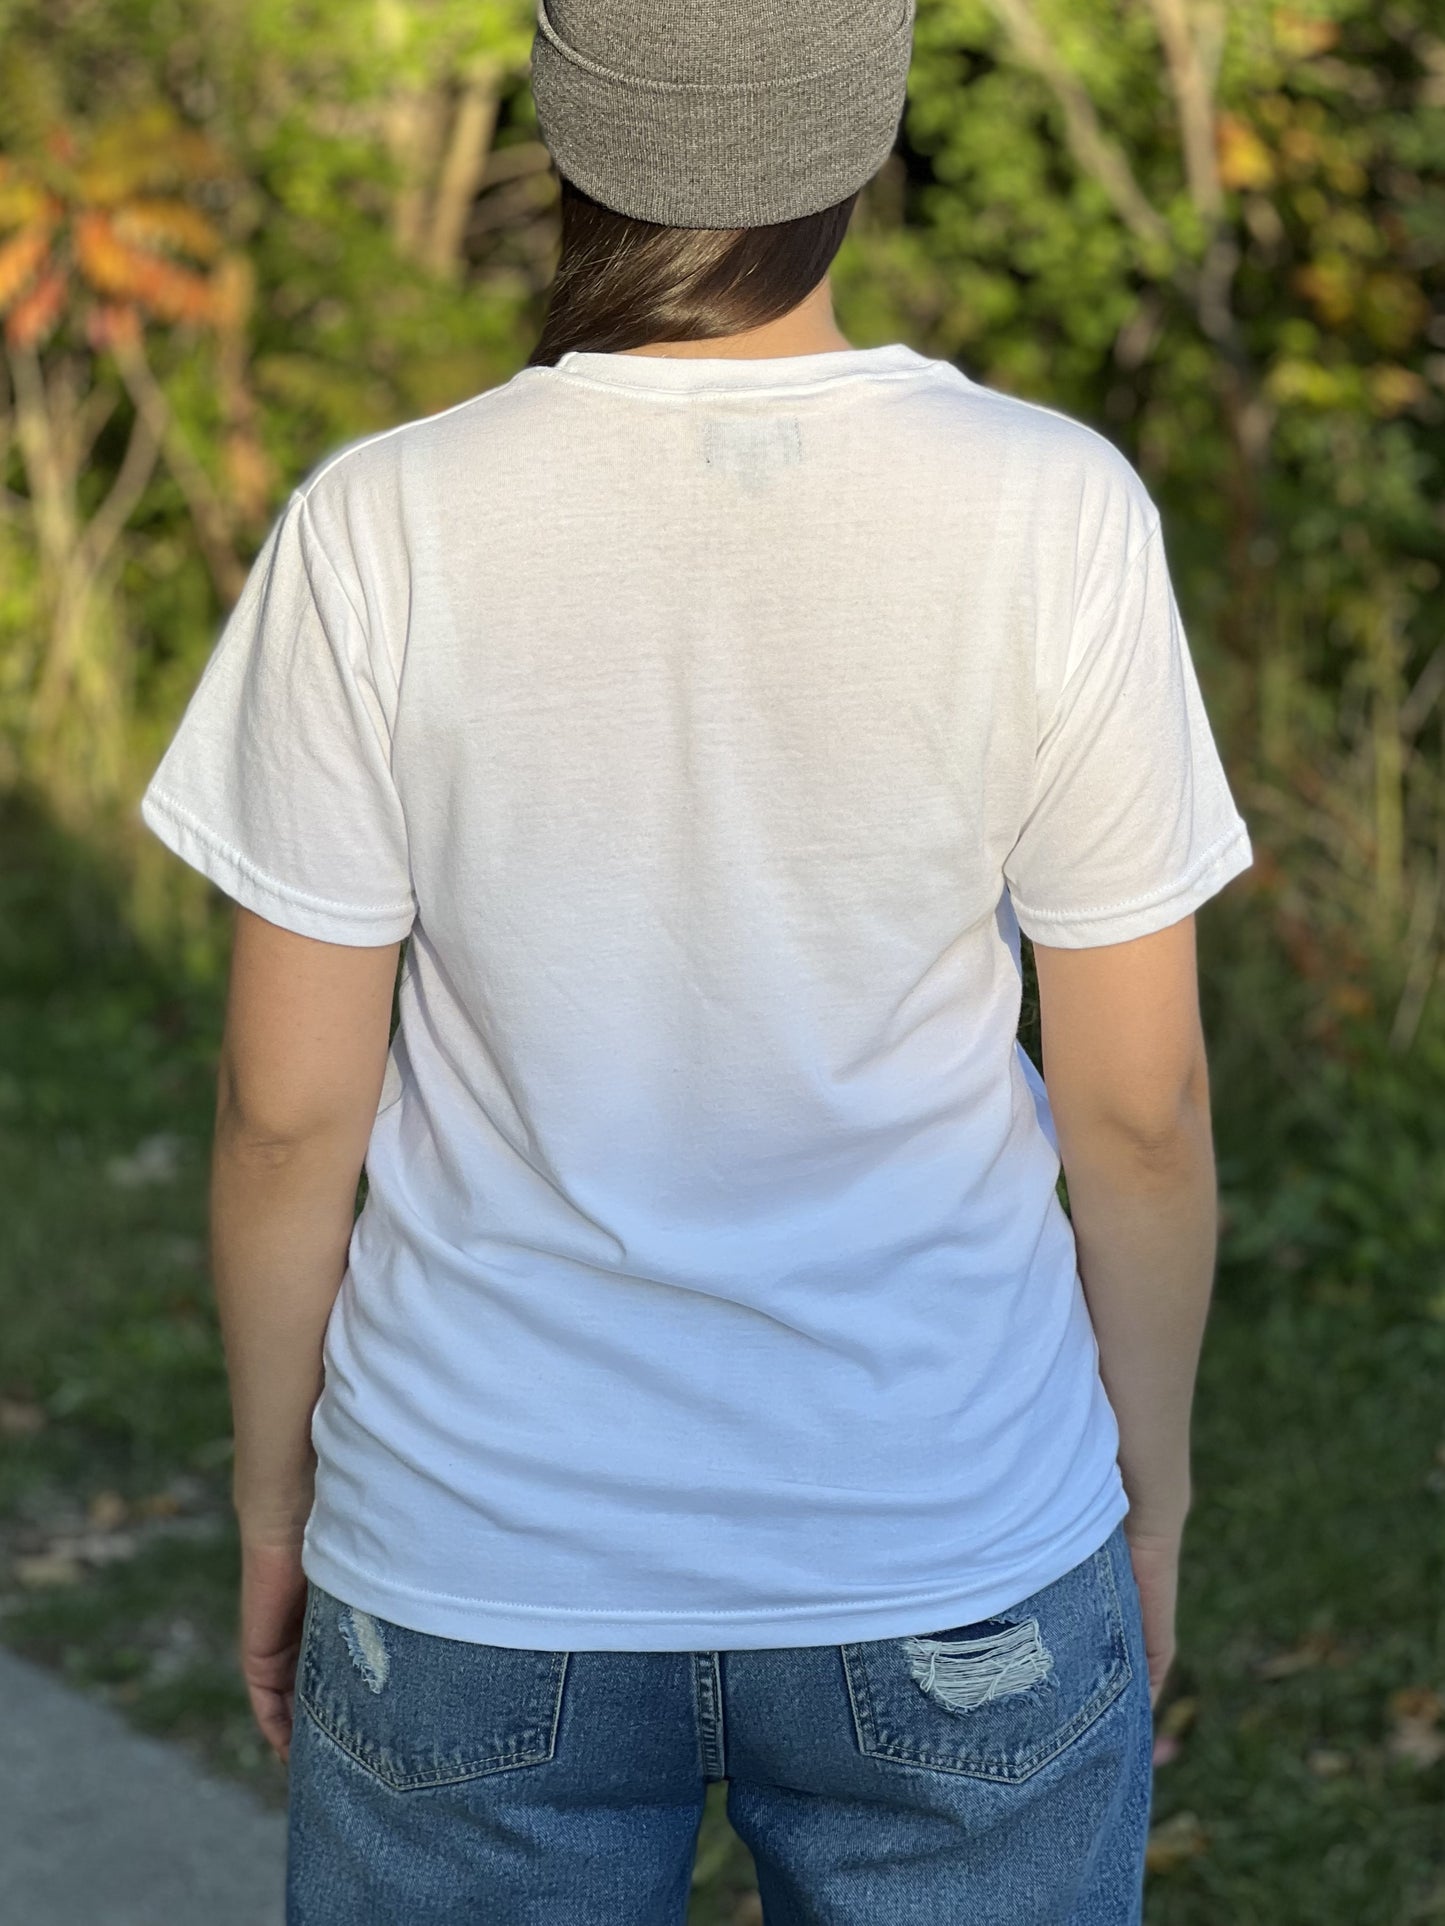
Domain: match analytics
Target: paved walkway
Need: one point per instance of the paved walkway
(101, 1826)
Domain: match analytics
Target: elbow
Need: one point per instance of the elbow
(1163, 1136)
(1157, 1150)
(243, 1140)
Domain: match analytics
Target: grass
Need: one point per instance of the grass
(1306, 1703)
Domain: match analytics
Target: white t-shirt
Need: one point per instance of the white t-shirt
(708, 728)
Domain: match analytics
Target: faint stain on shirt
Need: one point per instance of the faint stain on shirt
(751, 448)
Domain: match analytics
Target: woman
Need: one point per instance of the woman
(712, 1385)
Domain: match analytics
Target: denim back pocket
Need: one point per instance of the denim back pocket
(418, 1710)
(998, 1699)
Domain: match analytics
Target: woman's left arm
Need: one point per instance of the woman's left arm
(302, 1061)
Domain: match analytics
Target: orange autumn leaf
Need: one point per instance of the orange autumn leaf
(21, 260)
(233, 292)
(249, 472)
(153, 281)
(174, 293)
(110, 267)
(34, 315)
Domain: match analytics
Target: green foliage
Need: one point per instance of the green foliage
(20, 619)
(345, 337)
(1344, 1182)
(347, 342)
(1331, 156)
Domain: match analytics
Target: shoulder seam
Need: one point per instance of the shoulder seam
(304, 521)
(1043, 408)
(1125, 573)
(303, 489)
(363, 627)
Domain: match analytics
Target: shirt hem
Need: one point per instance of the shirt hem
(553, 1628)
(202, 849)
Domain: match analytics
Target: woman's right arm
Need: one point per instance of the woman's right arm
(1124, 1064)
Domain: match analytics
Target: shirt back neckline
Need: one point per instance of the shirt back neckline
(703, 374)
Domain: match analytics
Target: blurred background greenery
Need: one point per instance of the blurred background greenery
(236, 233)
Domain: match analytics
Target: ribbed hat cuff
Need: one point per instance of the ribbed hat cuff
(720, 154)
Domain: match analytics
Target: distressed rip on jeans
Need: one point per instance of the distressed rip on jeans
(963, 1673)
(366, 1646)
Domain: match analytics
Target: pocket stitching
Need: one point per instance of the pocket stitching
(415, 1781)
(1025, 1765)
(376, 1761)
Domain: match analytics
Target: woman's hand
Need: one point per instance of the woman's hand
(273, 1604)
(1155, 1558)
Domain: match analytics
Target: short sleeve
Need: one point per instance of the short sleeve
(1130, 823)
(277, 783)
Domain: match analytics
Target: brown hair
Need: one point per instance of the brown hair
(626, 283)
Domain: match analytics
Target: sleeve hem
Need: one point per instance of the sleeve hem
(1088, 929)
(250, 886)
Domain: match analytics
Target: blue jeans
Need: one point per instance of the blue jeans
(997, 1774)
